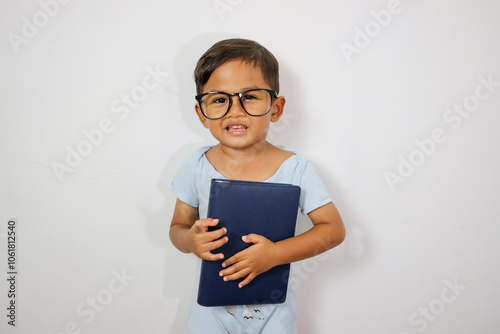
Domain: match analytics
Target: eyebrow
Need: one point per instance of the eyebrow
(243, 90)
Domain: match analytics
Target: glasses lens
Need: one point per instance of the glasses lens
(256, 102)
(214, 105)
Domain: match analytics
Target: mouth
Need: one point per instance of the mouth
(236, 128)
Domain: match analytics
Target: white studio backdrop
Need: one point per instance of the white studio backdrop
(395, 102)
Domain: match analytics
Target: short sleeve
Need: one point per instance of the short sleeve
(313, 193)
(184, 182)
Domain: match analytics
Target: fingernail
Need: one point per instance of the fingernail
(225, 279)
(244, 238)
(221, 274)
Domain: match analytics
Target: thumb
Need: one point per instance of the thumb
(252, 238)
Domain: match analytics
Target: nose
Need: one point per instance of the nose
(236, 108)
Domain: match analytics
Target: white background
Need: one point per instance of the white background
(356, 116)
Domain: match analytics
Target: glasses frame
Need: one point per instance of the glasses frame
(271, 92)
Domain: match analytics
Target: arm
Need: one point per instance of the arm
(328, 232)
(190, 234)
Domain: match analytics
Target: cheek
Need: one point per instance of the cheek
(264, 124)
(214, 127)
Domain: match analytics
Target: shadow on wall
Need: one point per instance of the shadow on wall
(179, 267)
(287, 132)
(316, 277)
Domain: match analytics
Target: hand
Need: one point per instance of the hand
(252, 261)
(202, 242)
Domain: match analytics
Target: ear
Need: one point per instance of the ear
(277, 108)
(202, 118)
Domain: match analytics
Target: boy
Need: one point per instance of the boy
(237, 83)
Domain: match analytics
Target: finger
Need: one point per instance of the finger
(203, 224)
(247, 280)
(216, 243)
(217, 233)
(211, 257)
(210, 241)
(208, 237)
(232, 260)
(231, 270)
(252, 238)
(236, 275)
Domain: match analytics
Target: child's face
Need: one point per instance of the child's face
(238, 129)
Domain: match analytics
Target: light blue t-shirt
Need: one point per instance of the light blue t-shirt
(191, 185)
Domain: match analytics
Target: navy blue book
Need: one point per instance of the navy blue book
(244, 207)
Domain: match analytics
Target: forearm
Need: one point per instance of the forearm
(265, 254)
(189, 234)
(328, 232)
(179, 237)
(317, 240)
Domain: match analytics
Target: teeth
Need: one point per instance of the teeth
(236, 127)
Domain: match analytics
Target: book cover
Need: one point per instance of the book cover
(244, 207)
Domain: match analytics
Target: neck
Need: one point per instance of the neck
(245, 154)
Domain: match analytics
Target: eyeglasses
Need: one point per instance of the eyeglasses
(255, 102)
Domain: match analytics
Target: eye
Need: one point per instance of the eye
(254, 95)
(250, 97)
(217, 99)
